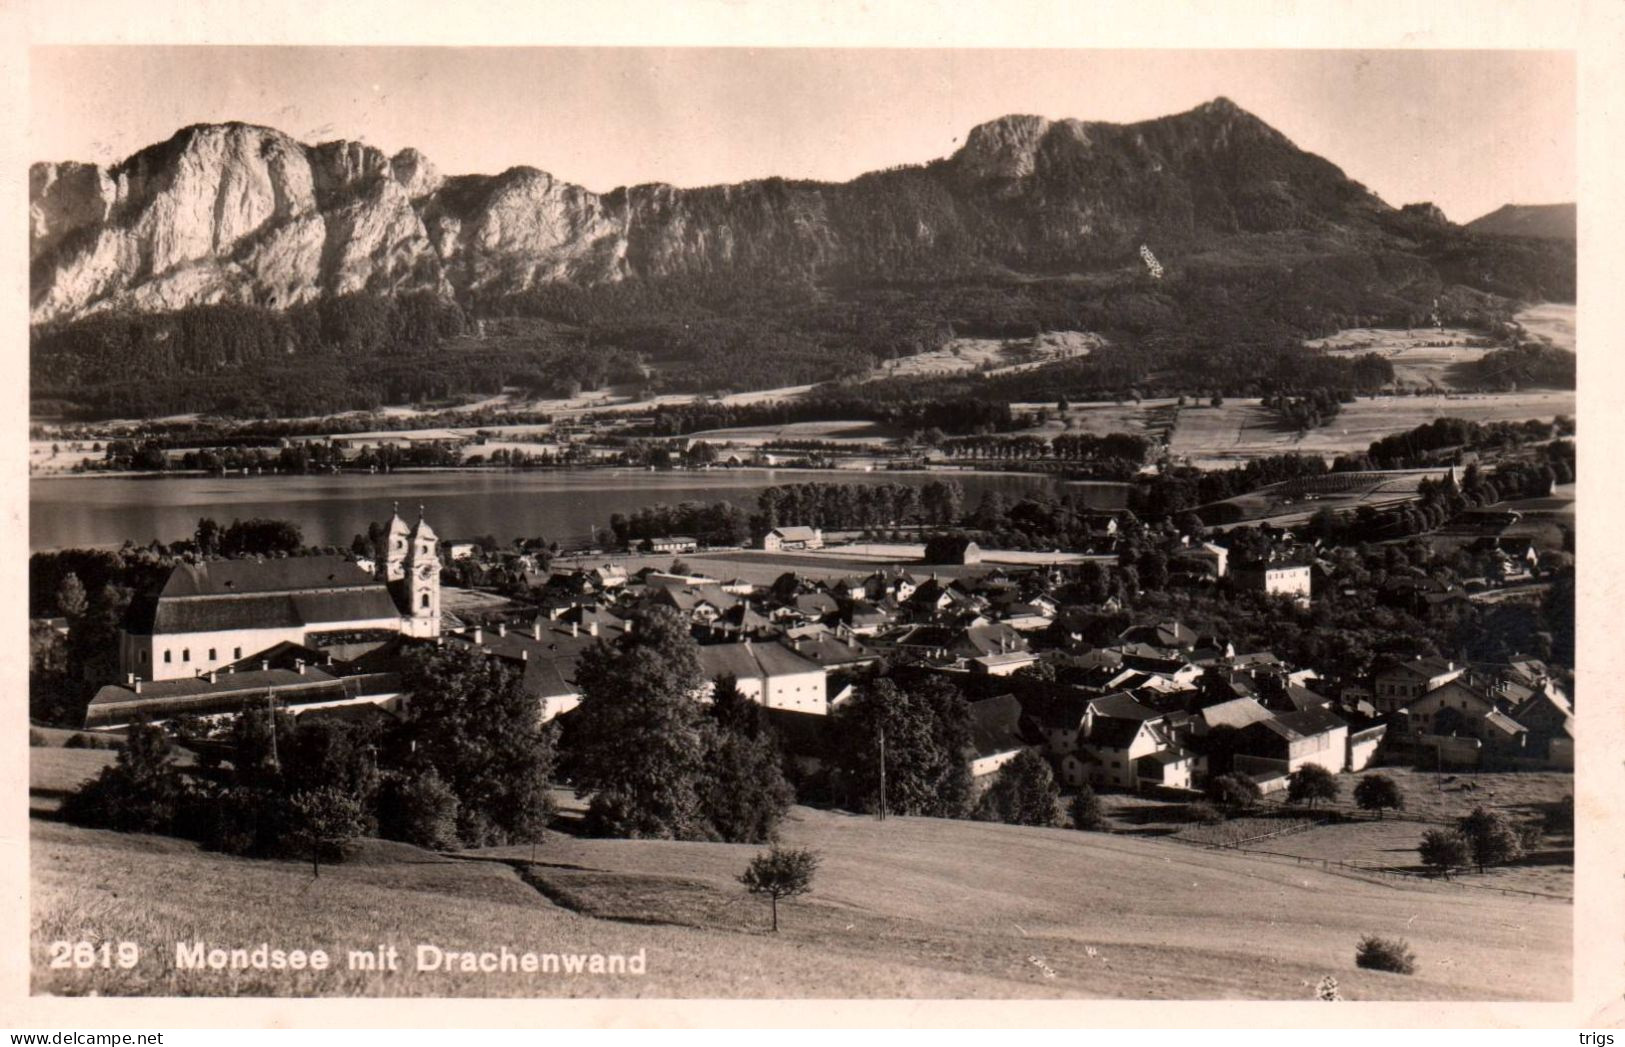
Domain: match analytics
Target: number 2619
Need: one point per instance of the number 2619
(87, 955)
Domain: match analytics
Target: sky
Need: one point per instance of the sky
(1467, 130)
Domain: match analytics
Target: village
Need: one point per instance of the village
(1153, 713)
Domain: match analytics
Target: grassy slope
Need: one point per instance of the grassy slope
(914, 907)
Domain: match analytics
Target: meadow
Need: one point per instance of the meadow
(909, 907)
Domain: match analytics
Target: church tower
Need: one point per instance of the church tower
(421, 584)
(397, 542)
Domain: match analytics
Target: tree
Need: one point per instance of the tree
(260, 537)
(473, 722)
(1024, 793)
(1490, 837)
(142, 791)
(71, 601)
(1087, 813)
(1312, 783)
(924, 733)
(325, 821)
(746, 794)
(207, 536)
(637, 744)
(1443, 850)
(1233, 791)
(1377, 792)
(733, 711)
(780, 874)
(419, 809)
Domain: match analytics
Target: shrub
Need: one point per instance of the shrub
(1385, 954)
(418, 808)
(139, 793)
(90, 741)
(36, 738)
(1491, 838)
(1233, 791)
(1203, 812)
(239, 820)
(1560, 818)
(1443, 850)
(1087, 813)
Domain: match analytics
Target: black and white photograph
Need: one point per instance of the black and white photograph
(805, 522)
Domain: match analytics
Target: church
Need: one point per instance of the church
(213, 615)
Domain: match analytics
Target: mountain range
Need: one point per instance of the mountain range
(1543, 221)
(246, 214)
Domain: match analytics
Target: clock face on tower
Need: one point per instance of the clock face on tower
(427, 571)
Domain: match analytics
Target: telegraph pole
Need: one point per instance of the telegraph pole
(882, 772)
(270, 707)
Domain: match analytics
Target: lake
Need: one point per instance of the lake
(564, 506)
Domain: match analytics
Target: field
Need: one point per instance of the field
(912, 908)
(1431, 800)
(1337, 491)
(909, 907)
(1422, 357)
(1551, 321)
(832, 432)
(994, 355)
(763, 568)
(1240, 429)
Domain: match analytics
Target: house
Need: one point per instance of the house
(460, 548)
(1464, 710)
(996, 738)
(864, 619)
(1274, 579)
(1003, 663)
(1025, 616)
(1169, 768)
(1169, 635)
(1400, 683)
(1284, 743)
(671, 543)
(783, 538)
(546, 652)
(769, 673)
(833, 652)
(1115, 733)
(1550, 721)
(1236, 714)
(741, 621)
(1452, 708)
(815, 606)
(700, 604)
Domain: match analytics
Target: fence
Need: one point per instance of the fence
(1358, 869)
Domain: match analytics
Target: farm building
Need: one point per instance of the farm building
(995, 725)
(952, 549)
(788, 538)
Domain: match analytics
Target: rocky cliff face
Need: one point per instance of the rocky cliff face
(247, 214)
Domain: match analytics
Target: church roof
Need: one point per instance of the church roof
(261, 594)
(233, 577)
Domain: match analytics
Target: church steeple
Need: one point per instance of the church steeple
(421, 587)
(397, 544)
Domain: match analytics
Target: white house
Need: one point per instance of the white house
(782, 538)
